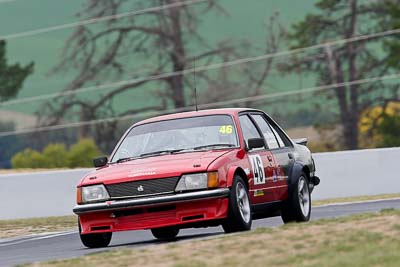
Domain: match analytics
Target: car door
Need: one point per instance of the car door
(261, 165)
(281, 152)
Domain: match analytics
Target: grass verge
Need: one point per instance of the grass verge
(24, 227)
(354, 199)
(359, 240)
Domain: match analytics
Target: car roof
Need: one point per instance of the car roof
(205, 112)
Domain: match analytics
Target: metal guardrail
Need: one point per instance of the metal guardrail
(357, 172)
(344, 173)
(39, 194)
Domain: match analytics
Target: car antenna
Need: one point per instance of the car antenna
(194, 83)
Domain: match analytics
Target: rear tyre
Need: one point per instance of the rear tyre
(100, 240)
(165, 233)
(298, 205)
(239, 214)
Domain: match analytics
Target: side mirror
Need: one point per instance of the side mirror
(100, 162)
(255, 143)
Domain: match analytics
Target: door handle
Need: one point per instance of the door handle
(290, 155)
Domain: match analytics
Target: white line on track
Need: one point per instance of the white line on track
(33, 238)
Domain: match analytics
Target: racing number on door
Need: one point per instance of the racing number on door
(258, 169)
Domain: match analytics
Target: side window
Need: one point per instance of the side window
(281, 143)
(267, 132)
(248, 128)
(282, 138)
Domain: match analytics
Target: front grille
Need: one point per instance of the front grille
(142, 188)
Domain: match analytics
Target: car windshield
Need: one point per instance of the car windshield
(178, 135)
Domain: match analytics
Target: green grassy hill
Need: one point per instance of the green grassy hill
(245, 21)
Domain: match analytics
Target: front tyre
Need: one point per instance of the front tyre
(298, 206)
(100, 240)
(239, 214)
(165, 233)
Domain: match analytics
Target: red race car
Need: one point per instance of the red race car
(196, 169)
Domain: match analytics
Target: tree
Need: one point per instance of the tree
(389, 128)
(390, 9)
(158, 39)
(12, 77)
(246, 80)
(371, 121)
(342, 19)
(154, 43)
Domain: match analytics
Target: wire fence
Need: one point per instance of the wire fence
(97, 19)
(215, 66)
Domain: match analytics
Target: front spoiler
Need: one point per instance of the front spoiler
(150, 201)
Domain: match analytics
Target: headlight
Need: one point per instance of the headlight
(94, 193)
(196, 181)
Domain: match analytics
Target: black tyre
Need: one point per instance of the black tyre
(239, 214)
(165, 233)
(95, 240)
(298, 206)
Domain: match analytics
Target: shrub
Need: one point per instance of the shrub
(28, 159)
(371, 129)
(55, 155)
(82, 154)
(389, 129)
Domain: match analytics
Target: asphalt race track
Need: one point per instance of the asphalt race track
(68, 245)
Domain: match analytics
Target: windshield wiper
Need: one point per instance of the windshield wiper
(213, 145)
(126, 159)
(170, 151)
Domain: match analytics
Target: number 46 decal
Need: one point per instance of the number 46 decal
(258, 169)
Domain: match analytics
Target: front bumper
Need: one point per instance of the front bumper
(150, 201)
(314, 181)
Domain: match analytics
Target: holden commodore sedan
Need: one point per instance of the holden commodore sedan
(196, 169)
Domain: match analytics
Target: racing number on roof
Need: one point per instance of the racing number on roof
(258, 169)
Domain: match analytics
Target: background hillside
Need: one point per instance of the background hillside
(245, 20)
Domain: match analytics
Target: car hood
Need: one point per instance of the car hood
(153, 167)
